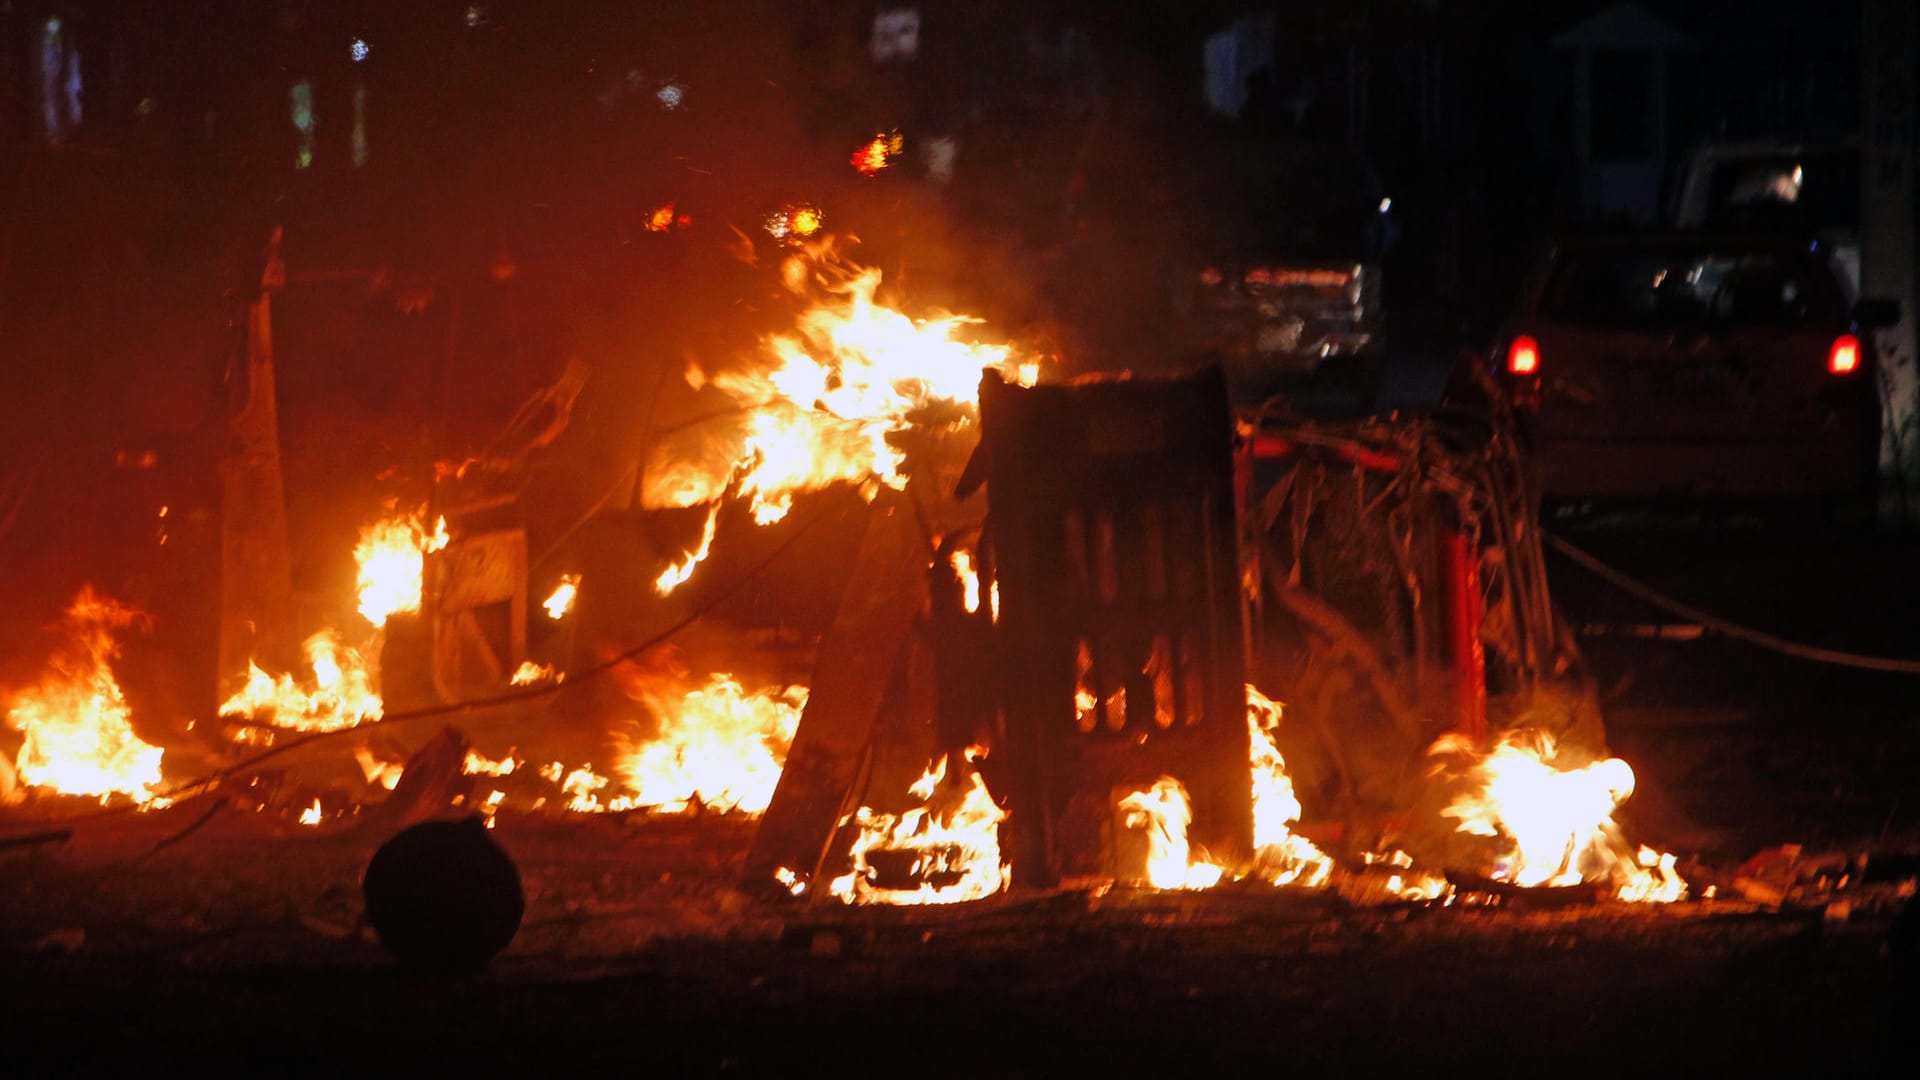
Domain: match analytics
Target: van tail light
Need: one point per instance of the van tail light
(1523, 356)
(1844, 357)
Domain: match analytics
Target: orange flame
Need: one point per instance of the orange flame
(820, 409)
(561, 600)
(1280, 856)
(529, 673)
(1165, 813)
(958, 847)
(717, 744)
(311, 815)
(340, 694)
(78, 727)
(969, 580)
(681, 569)
(1556, 822)
(392, 558)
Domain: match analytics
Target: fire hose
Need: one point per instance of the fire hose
(1724, 627)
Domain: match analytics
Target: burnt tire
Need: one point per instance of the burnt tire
(443, 897)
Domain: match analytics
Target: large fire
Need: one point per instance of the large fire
(819, 408)
(1555, 822)
(341, 693)
(718, 745)
(391, 556)
(78, 729)
(951, 848)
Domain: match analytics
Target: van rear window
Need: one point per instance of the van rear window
(1662, 290)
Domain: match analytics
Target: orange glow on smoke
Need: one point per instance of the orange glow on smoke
(78, 728)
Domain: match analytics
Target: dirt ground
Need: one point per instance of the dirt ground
(240, 942)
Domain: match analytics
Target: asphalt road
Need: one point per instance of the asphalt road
(1739, 747)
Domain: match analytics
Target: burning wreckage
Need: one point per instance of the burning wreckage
(1100, 632)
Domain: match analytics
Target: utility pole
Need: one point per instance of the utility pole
(256, 577)
(1888, 39)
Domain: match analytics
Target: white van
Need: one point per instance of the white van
(1811, 186)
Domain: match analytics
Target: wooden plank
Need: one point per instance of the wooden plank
(854, 669)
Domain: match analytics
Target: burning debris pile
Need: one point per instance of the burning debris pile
(1132, 624)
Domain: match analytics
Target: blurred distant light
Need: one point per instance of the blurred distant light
(60, 88)
(795, 220)
(896, 35)
(940, 154)
(877, 153)
(300, 100)
(476, 15)
(669, 96)
(1386, 204)
(358, 50)
(661, 219)
(302, 107)
(1844, 357)
(146, 107)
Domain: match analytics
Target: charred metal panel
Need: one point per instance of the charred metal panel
(1120, 628)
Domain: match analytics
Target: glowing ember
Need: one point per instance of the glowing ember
(78, 728)
(717, 744)
(529, 673)
(789, 881)
(820, 409)
(952, 848)
(392, 558)
(340, 694)
(384, 773)
(491, 804)
(660, 219)
(1556, 823)
(1165, 813)
(311, 815)
(561, 601)
(677, 574)
(478, 764)
(581, 786)
(969, 580)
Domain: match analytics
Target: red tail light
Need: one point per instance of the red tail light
(1844, 357)
(1523, 356)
